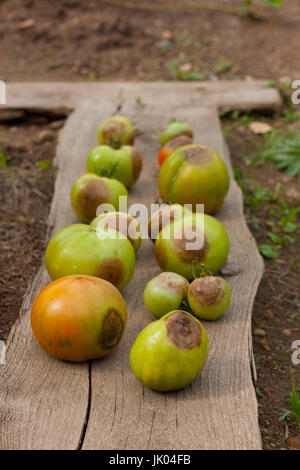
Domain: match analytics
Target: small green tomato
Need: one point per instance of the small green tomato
(190, 245)
(90, 191)
(123, 223)
(209, 297)
(116, 130)
(169, 353)
(175, 129)
(165, 293)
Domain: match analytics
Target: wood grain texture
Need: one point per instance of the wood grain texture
(243, 95)
(44, 405)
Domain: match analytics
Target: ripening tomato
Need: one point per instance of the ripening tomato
(78, 317)
(172, 145)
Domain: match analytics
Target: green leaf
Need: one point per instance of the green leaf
(44, 164)
(272, 3)
(3, 158)
(294, 401)
(112, 171)
(284, 415)
(290, 227)
(268, 252)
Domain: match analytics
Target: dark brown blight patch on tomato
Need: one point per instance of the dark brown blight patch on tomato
(137, 163)
(113, 130)
(161, 219)
(189, 256)
(177, 142)
(112, 329)
(197, 155)
(112, 270)
(173, 281)
(207, 290)
(94, 193)
(183, 330)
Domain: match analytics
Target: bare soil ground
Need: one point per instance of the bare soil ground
(76, 40)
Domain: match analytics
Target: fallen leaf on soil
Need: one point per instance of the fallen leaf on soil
(44, 135)
(292, 193)
(258, 127)
(270, 314)
(293, 443)
(287, 332)
(259, 332)
(26, 24)
(265, 344)
(186, 67)
(166, 34)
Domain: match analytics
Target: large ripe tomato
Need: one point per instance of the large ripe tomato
(77, 318)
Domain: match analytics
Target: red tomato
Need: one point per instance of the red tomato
(172, 145)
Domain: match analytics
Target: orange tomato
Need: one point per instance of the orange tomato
(79, 317)
(172, 145)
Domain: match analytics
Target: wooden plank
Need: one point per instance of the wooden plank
(219, 410)
(44, 402)
(61, 96)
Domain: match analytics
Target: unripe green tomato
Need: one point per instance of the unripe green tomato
(194, 174)
(164, 216)
(122, 222)
(124, 164)
(175, 129)
(81, 249)
(90, 190)
(116, 130)
(165, 293)
(189, 245)
(169, 353)
(209, 297)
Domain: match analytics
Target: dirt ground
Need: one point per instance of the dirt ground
(76, 40)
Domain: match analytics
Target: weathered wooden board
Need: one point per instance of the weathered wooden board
(44, 402)
(243, 95)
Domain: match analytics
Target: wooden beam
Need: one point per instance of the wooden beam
(61, 97)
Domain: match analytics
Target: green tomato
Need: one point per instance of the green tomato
(90, 190)
(164, 216)
(101, 252)
(194, 174)
(209, 297)
(116, 130)
(122, 222)
(165, 293)
(190, 245)
(124, 164)
(169, 353)
(175, 129)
